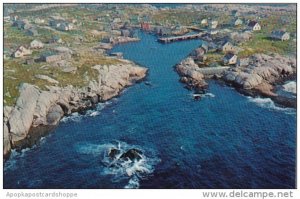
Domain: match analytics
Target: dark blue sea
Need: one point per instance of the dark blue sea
(225, 140)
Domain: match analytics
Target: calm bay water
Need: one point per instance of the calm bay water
(226, 140)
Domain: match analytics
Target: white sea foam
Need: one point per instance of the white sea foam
(11, 163)
(133, 183)
(118, 168)
(269, 104)
(290, 87)
(92, 149)
(76, 117)
(209, 95)
(203, 95)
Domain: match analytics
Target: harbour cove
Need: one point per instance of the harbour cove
(224, 140)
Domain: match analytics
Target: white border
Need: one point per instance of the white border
(132, 194)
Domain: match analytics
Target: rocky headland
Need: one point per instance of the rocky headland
(37, 111)
(258, 78)
(191, 74)
(261, 76)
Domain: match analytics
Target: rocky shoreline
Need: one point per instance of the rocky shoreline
(191, 75)
(37, 112)
(259, 78)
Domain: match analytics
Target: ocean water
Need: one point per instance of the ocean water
(225, 140)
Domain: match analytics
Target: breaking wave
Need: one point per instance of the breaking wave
(11, 163)
(269, 104)
(76, 117)
(209, 95)
(290, 87)
(203, 95)
(119, 166)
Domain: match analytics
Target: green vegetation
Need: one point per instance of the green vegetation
(89, 33)
(16, 72)
(214, 57)
(261, 43)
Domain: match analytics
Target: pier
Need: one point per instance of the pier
(180, 38)
(213, 70)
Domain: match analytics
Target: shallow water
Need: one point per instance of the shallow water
(225, 140)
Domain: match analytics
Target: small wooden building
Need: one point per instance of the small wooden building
(227, 47)
(280, 35)
(230, 59)
(254, 26)
(50, 57)
(36, 44)
(238, 22)
(22, 51)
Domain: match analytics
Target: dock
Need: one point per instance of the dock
(180, 38)
(193, 28)
(213, 70)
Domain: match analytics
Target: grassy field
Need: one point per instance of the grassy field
(261, 43)
(16, 72)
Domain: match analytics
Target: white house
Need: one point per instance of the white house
(22, 51)
(253, 25)
(227, 47)
(280, 35)
(214, 24)
(229, 59)
(36, 44)
(238, 22)
(204, 22)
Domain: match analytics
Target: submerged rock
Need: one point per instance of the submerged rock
(113, 152)
(132, 154)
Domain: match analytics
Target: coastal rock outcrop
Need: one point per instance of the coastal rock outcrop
(113, 78)
(190, 74)
(262, 69)
(6, 142)
(260, 76)
(54, 114)
(21, 116)
(37, 112)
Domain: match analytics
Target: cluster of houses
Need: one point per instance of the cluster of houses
(120, 28)
(229, 49)
(199, 53)
(230, 58)
(213, 24)
(163, 30)
(22, 51)
(49, 56)
(26, 26)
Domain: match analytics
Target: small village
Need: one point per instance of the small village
(62, 47)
